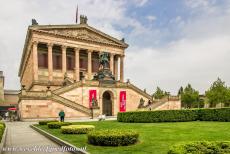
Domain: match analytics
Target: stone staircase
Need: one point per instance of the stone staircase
(41, 95)
(67, 88)
(70, 104)
(139, 91)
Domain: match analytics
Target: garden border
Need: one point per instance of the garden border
(58, 140)
(3, 141)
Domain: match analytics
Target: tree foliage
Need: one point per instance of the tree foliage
(189, 96)
(218, 93)
(180, 91)
(159, 93)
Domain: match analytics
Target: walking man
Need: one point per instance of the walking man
(62, 115)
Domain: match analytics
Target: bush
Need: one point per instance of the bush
(220, 114)
(44, 122)
(2, 128)
(203, 147)
(112, 137)
(158, 116)
(77, 129)
(57, 125)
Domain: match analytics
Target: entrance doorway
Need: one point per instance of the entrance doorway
(107, 104)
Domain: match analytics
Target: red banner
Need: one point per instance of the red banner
(122, 101)
(92, 95)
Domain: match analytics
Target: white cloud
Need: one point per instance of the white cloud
(199, 57)
(195, 61)
(151, 18)
(140, 3)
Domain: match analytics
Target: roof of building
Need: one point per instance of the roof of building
(60, 30)
(11, 92)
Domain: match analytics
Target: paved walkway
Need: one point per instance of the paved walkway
(20, 135)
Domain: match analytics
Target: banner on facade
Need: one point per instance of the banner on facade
(122, 101)
(92, 96)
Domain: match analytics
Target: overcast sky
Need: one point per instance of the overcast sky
(172, 42)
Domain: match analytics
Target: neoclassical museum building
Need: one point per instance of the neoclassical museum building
(75, 68)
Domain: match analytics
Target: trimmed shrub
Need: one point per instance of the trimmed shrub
(45, 122)
(77, 129)
(203, 147)
(2, 128)
(218, 114)
(158, 116)
(112, 137)
(57, 125)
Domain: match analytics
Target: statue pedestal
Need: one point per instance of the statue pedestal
(105, 76)
(95, 112)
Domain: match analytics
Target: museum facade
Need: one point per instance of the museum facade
(75, 68)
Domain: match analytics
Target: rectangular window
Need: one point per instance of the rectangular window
(42, 60)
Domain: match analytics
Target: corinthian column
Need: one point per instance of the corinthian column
(111, 62)
(50, 61)
(115, 68)
(90, 64)
(63, 60)
(122, 68)
(77, 67)
(35, 60)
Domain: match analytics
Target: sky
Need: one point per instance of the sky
(171, 42)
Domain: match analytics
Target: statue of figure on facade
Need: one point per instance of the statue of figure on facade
(104, 60)
(104, 73)
(83, 19)
(34, 22)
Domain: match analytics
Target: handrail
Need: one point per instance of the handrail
(70, 103)
(138, 90)
(66, 88)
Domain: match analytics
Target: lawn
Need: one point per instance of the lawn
(154, 138)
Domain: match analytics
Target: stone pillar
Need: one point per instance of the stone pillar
(63, 60)
(111, 63)
(115, 68)
(90, 64)
(35, 60)
(122, 68)
(50, 61)
(77, 66)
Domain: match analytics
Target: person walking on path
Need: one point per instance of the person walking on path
(62, 115)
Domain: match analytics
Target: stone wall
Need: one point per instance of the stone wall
(39, 109)
(170, 105)
(80, 95)
(11, 99)
(1, 86)
(27, 76)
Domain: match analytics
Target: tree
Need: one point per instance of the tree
(189, 97)
(159, 93)
(218, 93)
(180, 91)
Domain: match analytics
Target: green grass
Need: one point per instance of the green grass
(154, 137)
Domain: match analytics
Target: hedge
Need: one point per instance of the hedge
(57, 125)
(77, 129)
(158, 116)
(45, 122)
(203, 147)
(112, 137)
(2, 128)
(218, 114)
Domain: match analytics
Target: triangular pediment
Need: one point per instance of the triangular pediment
(85, 32)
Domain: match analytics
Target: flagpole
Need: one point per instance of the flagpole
(76, 14)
